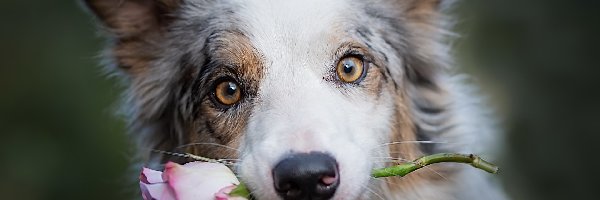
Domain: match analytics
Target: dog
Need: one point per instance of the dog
(306, 96)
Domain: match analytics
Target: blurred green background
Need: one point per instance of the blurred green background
(536, 60)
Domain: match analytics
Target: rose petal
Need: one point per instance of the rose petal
(223, 194)
(151, 176)
(153, 186)
(158, 191)
(198, 180)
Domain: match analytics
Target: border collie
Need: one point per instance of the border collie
(307, 96)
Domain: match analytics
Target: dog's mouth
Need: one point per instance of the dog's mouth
(318, 175)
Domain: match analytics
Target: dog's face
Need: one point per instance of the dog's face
(308, 92)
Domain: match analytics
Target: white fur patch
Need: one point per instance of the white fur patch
(297, 110)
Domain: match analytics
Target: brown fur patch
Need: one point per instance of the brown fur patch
(423, 10)
(136, 26)
(226, 126)
(134, 55)
(404, 130)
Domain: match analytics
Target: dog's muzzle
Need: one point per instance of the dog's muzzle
(307, 176)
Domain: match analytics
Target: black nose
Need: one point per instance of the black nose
(306, 176)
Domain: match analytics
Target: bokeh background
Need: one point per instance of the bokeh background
(537, 61)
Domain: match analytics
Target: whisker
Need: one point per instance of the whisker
(196, 157)
(387, 159)
(251, 194)
(436, 172)
(413, 142)
(397, 152)
(229, 159)
(372, 192)
(386, 181)
(208, 143)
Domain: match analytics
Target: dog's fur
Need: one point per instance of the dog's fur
(283, 54)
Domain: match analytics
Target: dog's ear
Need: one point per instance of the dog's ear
(135, 27)
(426, 10)
(137, 34)
(130, 18)
(429, 27)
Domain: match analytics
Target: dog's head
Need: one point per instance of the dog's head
(307, 94)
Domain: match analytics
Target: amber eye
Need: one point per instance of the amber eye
(350, 69)
(227, 92)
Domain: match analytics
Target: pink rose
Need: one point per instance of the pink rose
(191, 181)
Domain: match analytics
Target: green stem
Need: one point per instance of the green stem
(240, 191)
(404, 169)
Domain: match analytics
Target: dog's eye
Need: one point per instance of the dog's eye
(350, 69)
(227, 92)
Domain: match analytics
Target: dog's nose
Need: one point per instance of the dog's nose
(306, 176)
